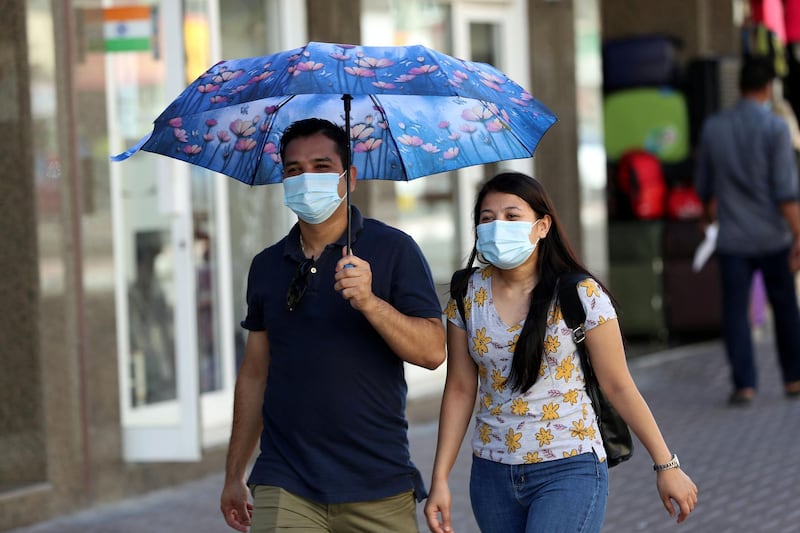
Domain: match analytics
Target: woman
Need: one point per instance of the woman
(538, 458)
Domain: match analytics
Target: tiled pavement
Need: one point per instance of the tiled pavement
(744, 460)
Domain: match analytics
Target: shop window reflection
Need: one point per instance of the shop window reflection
(207, 338)
(151, 323)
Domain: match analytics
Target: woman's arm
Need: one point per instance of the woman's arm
(607, 355)
(458, 404)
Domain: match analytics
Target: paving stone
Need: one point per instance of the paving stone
(744, 460)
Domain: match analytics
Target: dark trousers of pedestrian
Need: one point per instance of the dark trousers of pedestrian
(736, 273)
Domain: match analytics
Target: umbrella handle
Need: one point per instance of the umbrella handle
(347, 98)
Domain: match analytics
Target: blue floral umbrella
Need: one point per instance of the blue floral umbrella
(411, 111)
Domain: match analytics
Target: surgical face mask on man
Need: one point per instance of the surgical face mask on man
(506, 244)
(312, 197)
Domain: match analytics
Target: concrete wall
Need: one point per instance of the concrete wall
(552, 66)
(21, 414)
(704, 26)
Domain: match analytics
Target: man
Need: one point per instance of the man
(322, 374)
(747, 178)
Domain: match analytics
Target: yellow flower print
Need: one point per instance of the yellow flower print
(551, 344)
(451, 309)
(602, 320)
(498, 380)
(482, 372)
(555, 316)
(590, 286)
(487, 400)
(571, 453)
(480, 342)
(564, 370)
(579, 431)
(467, 308)
(487, 272)
(544, 436)
(512, 440)
(532, 457)
(515, 327)
(519, 407)
(497, 410)
(481, 296)
(542, 368)
(550, 411)
(513, 345)
(571, 396)
(485, 433)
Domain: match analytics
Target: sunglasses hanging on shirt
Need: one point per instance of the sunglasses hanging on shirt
(299, 283)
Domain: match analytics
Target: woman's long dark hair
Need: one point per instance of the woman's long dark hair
(556, 257)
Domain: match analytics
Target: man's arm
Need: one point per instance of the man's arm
(419, 341)
(703, 176)
(791, 212)
(246, 429)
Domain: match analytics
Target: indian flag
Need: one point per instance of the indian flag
(127, 29)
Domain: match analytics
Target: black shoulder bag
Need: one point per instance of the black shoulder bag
(613, 429)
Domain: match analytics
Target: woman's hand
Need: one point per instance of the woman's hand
(675, 486)
(438, 505)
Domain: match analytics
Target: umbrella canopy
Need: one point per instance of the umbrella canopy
(411, 111)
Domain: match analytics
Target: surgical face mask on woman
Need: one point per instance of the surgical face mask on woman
(312, 197)
(506, 244)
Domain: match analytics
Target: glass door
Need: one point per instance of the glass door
(211, 248)
(172, 270)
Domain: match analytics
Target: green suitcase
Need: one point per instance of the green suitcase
(635, 277)
(652, 119)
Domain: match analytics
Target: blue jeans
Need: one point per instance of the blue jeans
(736, 274)
(563, 495)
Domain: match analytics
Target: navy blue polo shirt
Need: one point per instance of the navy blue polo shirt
(334, 406)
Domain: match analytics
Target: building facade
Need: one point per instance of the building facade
(123, 283)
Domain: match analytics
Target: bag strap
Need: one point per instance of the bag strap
(574, 315)
(570, 302)
(458, 288)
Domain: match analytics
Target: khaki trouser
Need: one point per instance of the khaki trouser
(275, 510)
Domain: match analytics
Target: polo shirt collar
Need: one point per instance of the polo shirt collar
(292, 247)
(356, 225)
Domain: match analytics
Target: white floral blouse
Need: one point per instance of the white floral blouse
(554, 418)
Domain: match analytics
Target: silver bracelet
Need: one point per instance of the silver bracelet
(672, 463)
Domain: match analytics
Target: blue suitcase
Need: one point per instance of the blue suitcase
(640, 61)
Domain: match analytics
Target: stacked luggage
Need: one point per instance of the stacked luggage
(649, 123)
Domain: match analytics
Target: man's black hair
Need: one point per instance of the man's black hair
(755, 74)
(311, 126)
